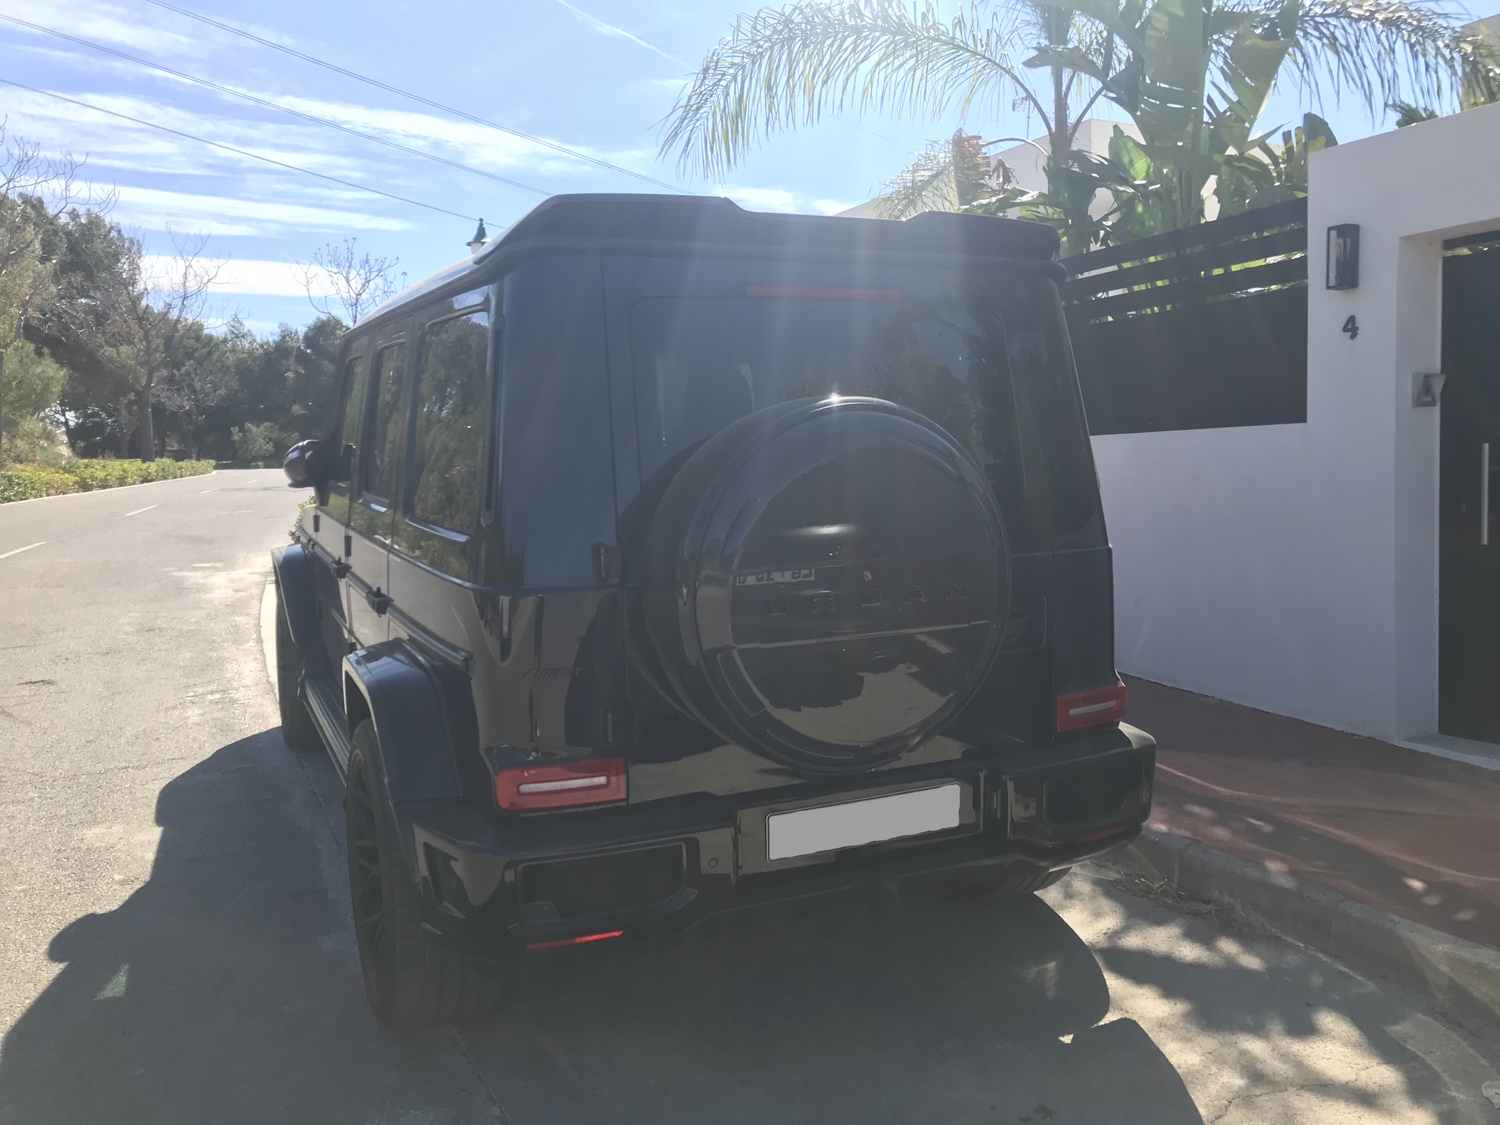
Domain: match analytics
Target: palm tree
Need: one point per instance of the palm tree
(785, 69)
(1193, 76)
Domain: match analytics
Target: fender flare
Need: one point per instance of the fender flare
(292, 567)
(404, 700)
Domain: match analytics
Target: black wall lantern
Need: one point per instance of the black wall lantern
(1343, 256)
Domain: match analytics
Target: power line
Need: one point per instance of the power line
(388, 88)
(238, 151)
(231, 92)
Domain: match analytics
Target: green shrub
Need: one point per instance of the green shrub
(32, 481)
(27, 482)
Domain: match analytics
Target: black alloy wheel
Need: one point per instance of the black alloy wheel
(410, 975)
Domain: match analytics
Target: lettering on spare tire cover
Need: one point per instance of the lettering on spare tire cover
(776, 577)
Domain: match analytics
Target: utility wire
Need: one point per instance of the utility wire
(239, 151)
(229, 91)
(386, 86)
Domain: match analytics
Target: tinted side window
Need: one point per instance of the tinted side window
(383, 453)
(1038, 341)
(449, 427)
(354, 413)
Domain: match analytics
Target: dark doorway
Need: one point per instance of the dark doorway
(1469, 545)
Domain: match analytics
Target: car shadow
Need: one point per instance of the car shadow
(933, 1010)
(225, 989)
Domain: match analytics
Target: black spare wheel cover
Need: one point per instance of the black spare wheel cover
(826, 581)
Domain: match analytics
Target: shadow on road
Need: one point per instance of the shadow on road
(224, 989)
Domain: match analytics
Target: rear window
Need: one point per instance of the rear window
(703, 361)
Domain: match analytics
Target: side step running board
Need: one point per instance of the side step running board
(327, 711)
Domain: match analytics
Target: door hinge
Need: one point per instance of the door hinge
(607, 562)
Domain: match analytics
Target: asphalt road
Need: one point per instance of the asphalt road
(175, 943)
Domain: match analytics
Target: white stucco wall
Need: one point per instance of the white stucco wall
(1294, 568)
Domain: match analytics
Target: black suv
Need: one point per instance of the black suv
(669, 557)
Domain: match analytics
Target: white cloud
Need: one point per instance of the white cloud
(226, 215)
(615, 32)
(781, 199)
(251, 277)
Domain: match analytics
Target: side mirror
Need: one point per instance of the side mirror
(303, 465)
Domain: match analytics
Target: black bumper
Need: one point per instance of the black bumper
(507, 890)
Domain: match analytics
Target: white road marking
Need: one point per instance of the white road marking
(18, 550)
(206, 491)
(138, 511)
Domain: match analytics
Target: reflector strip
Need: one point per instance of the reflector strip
(556, 785)
(569, 783)
(580, 940)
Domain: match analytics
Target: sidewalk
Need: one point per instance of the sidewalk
(1404, 832)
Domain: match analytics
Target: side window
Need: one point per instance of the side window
(384, 451)
(354, 413)
(448, 438)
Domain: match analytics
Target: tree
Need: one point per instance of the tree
(1194, 77)
(35, 190)
(199, 376)
(784, 69)
(132, 325)
(358, 282)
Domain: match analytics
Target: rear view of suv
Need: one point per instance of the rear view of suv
(668, 557)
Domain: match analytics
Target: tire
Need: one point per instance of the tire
(1008, 882)
(410, 976)
(296, 724)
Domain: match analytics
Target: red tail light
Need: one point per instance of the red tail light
(580, 940)
(561, 785)
(1091, 708)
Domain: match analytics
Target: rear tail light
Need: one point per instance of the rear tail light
(561, 785)
(1091, 708)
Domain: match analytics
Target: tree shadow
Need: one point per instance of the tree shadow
(224, 989)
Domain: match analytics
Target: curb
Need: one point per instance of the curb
(1459, 978)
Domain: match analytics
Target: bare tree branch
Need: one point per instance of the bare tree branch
(340, 277)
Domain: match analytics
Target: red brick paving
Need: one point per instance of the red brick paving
(1405, 832)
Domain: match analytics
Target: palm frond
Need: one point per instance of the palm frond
(1382, 50)
(927, 184)
(789, 68)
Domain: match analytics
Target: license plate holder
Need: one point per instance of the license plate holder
(821, 829)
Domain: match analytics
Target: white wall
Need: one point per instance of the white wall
(1294, 568)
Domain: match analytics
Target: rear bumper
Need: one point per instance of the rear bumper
(495, 889)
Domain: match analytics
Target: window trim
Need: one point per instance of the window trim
(346, 385)
(414, 390)
(373, 500)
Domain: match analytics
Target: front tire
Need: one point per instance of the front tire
(296, 724)
(410, 977)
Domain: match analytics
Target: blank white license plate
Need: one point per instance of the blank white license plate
(830, 827)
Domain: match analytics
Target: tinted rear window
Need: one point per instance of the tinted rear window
(703, 361)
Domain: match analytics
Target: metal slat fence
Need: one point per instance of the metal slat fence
(1199, 328)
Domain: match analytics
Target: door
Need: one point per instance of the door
(373, 509)
(1469, 545)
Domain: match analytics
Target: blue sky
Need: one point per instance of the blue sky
(596, 76)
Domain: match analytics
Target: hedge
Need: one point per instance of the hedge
(30, 481)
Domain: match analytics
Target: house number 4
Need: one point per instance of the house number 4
(1351, 326)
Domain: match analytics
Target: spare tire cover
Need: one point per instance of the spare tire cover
(826, 581)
